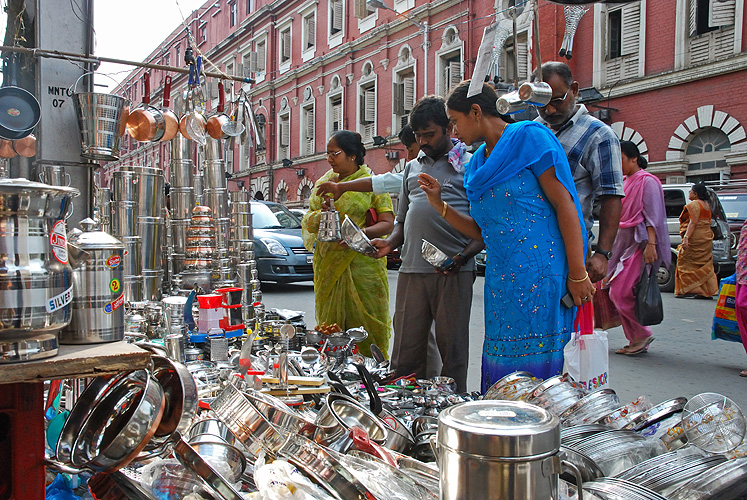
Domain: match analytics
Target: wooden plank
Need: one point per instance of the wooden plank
(324, 389)
(315, 381)
(78, 361)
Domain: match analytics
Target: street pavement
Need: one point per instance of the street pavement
(682, 361)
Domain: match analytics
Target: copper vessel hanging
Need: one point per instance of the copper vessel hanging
(214, 126)
(170, 118)
(146, 123)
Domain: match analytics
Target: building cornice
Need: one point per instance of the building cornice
(678, 77)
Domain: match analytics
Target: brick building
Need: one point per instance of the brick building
(664, 74)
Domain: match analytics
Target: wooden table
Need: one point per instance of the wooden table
(22, 432)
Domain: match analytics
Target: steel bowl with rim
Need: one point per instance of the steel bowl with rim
(180, 394)
(281, 415)
(213, 428)
(339, 415)
(222, 456)
(512, 386)
(591, 407)
(120, 424)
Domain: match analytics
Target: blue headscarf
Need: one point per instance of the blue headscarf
(523, 145)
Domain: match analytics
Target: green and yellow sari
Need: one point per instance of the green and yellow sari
(351, 289)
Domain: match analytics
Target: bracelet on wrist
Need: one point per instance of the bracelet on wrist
(444, 209)
(578, 281)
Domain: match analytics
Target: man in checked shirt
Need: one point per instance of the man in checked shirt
(593, 152)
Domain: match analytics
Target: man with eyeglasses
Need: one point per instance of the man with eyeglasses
(593, 152)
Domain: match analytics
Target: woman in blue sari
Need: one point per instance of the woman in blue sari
(524, 203)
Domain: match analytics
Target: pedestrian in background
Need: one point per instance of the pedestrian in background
(695, 276)
(350, 289)
(593, 152)
(740, 297)
(523, 202)
(642, 240)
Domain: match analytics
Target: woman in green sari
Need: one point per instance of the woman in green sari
(351, 289)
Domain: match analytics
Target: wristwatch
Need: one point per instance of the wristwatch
(606, 253)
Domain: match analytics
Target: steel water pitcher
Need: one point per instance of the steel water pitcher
(329, 226)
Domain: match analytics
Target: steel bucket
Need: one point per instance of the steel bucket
(150, 230)
(124, 218)
(101, 120)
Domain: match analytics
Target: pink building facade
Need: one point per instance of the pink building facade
(669, 74)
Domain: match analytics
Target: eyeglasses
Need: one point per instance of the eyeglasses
(333, 154)
(558, 101)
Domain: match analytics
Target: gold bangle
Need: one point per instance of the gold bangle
(578, 281)
(443, 210)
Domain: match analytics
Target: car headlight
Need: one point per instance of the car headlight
(274, 246)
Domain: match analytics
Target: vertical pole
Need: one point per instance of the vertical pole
(425, 54)
(536, 26)
(512, 12)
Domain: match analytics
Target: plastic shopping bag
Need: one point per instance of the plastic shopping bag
(725, 325)
(649, 309)
(587, 353)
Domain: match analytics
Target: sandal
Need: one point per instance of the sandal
(624, 350)
(743, 373)
(643, 348)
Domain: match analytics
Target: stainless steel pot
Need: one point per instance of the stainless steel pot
(133, 288)
(180, 395)
(150, 230)
(124, 218)
(182, 199)
(147, 189)
(152, 284)
(98, 301)
(182, 173)
(217, 199)
(36, 280)
(511, 446)
(132, 261)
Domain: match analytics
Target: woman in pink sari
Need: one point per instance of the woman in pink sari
(642, 240)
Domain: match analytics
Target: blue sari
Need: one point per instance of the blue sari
(526, 327)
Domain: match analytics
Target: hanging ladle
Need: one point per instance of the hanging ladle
(234, 127)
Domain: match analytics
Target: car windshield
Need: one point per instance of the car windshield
(273, 217)
(735, 205)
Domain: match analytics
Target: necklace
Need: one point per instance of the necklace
(487, 152)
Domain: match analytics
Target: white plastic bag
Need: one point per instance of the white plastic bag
(586, 355)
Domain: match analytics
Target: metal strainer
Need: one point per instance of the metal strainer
(713, 422)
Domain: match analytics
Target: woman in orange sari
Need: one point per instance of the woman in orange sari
(695, 276)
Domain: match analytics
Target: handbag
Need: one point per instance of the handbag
(716, 228)
(725, 326)
(606, 315)
(649, 309)
(586, 355)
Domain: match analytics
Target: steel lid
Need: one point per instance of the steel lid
(500, 429)
(21, 185)
(90, 239)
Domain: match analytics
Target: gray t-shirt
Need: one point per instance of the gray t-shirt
(422, 221)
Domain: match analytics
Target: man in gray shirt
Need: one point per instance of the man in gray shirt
(425, 296)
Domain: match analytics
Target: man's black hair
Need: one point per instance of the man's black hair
(556, 68)
(429, 109)
(407, 136)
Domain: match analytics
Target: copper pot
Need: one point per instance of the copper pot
(146, 123)
(6, 149)
(214, 125)
(25, 147)
(170, 119)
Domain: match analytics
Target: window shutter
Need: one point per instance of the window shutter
(261, 56)
(398, 98)
(631, 27)
(370, 101)
(521, 71)
(721, 13)
(310, 31)
(284, 132)
(214, 91)
(693, 17)
(455, 74)
(723, 43)
(408, 93)
(310, 125)
(337, 15)
(336, 117)
(286, 41)
(360, 9)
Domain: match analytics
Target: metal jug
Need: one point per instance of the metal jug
(511, 103)
(329, 226)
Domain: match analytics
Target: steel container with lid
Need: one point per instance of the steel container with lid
(36, 280)
(98, 303)
(498, 450)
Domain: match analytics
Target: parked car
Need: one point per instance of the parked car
(734, 203)
(481, 262)
(278, 245)
(675, 198)
(298, 212)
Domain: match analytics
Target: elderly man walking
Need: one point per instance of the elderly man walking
(423, 295)
(593, 152)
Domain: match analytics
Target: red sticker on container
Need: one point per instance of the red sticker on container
(113, 261)
(116, 304)
(58, 240)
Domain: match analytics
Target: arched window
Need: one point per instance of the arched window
(282, 196)
(705, 155)
(305, 195)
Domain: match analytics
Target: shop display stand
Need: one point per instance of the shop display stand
(22, 474)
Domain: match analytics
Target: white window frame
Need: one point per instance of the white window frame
(333, 40)
(308, 137)
(286, 26)
(403, 73)
(403, 5)
(284, 116)
(368, 23)
(631, 63)
(684, 43)
(233, 13)
(446, 52)
(308, 12)
(507, 57)
(367, 130)
(337, 91)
